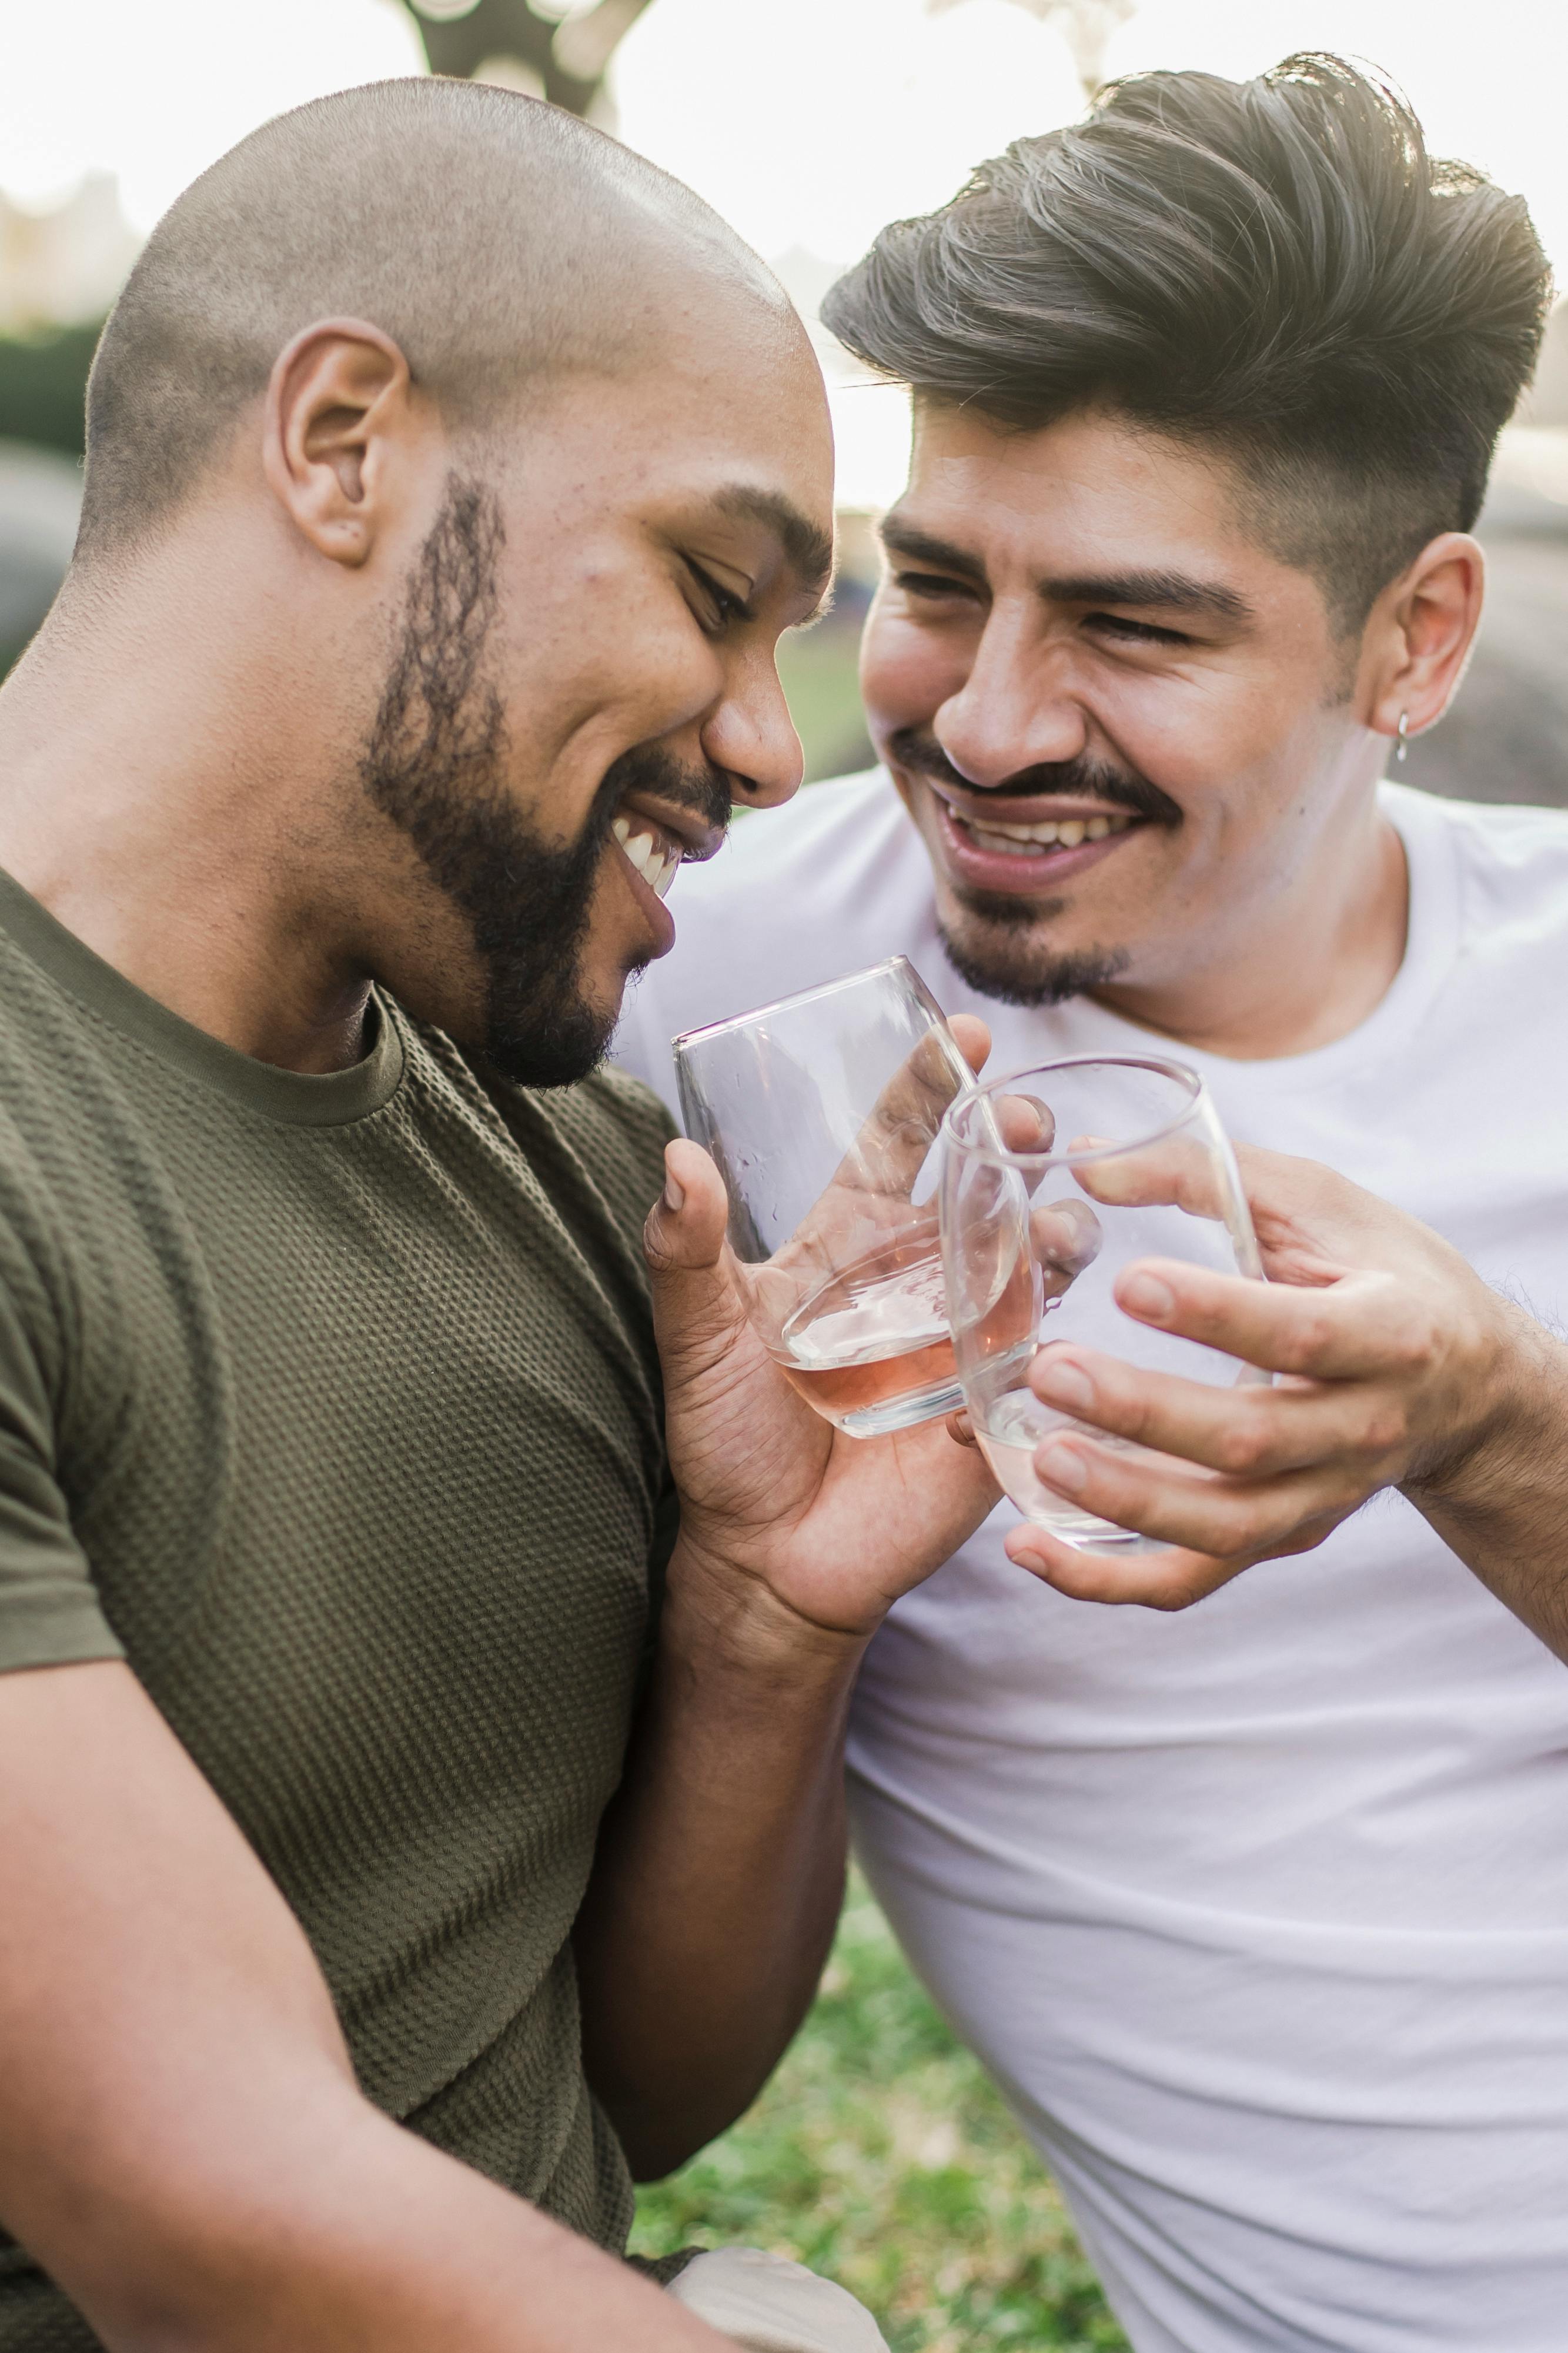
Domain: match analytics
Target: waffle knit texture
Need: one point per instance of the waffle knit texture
(332, 1405)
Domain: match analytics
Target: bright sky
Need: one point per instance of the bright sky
(808, 123)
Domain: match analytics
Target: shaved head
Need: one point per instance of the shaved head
(497, 240)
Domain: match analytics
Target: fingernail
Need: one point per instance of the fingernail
(1059, 1466)
(1146, 1295)
(674, 1196)
(1064, 1383)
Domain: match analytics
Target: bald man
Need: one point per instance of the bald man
(451, 475)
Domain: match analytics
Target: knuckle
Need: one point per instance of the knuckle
(1308, 1343)
(1246, 1447)
(1385, 1433)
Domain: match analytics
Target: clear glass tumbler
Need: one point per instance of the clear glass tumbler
(822, 1113)
(1052, 1181)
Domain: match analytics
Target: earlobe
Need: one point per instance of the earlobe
(337, 405)
(1436, 607)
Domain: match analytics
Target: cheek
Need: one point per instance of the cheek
(907, 672)
(625, 673)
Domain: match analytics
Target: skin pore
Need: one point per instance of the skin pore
(272, 754)
(1076, 627)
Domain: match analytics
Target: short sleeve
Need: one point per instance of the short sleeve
(49, 1611)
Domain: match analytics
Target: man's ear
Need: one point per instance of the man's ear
(1420, 636)
(337, 407)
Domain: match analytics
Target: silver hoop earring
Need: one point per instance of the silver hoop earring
(1404, 737)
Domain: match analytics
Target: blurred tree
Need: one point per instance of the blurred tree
(562, 49)
(43, 379)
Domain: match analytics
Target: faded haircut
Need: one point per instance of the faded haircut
(493, 237)
(1273, 270)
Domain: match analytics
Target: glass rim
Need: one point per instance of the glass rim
(999, 1156)
(706, 1029)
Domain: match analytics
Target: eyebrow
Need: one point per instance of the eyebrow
(807, 547)
(904, 539)
(1173, 592)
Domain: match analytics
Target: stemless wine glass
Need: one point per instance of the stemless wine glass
(822, 1113)
(1052, 1181)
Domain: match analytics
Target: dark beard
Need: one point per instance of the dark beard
(434, 763)
(1023, 972)
(995, 950)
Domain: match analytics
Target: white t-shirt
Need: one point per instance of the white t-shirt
(1258, 1913)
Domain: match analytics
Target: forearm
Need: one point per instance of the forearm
(352, 2232)
(721, 1870)
(1503, 1506)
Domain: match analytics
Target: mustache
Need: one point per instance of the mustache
(708, 792)
(1082, 778)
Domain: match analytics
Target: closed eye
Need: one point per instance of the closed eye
(1144, 633)
(726, 606)
(932, 584)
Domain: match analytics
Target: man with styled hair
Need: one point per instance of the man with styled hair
(1258, 1913)
(451, 475)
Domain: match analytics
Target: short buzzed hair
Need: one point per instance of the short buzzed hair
(492, 236)
(1274, 270)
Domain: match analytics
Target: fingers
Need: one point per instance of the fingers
(1065, 1236)
(1353, 1329)
(1174, 1579)
(1182, 1172)
(698, 1310)
(1223, 1518)
(972, 1039)
(1248, 1431)
(685, 1227)
(896, 1135)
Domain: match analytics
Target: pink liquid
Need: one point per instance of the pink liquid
(876, 1334)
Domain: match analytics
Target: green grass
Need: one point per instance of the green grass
(879, 2154)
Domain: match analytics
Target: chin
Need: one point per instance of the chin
(1001, 955)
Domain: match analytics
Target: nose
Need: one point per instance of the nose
(1015, 709)
(750, 733)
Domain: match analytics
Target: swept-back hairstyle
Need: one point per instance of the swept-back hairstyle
(1275, 267)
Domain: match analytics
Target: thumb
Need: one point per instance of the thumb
(696, 1310)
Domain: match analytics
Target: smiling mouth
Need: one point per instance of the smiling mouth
(1039, 839)
(648, 851)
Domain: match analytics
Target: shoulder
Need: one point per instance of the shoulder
(1497, 835)
(596, 1149)
(619, 1128)
(1510, 862)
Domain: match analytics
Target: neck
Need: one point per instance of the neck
(157, 792)
(1304, 964)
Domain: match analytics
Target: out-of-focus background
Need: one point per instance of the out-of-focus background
(808, 123)
(879, 2151)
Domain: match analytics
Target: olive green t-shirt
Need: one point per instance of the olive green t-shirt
(332, 1405)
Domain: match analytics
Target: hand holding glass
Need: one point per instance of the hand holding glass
(1052, 1182)
(822, 1113)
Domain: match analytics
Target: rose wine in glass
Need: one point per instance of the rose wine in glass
(1062, 1175)
(822, 1113)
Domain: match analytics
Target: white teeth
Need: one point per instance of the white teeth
(1067, 832)
(656, 864)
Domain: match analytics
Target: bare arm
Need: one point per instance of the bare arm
(183, 2147)
(1396, 1366)
(721, 1866)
